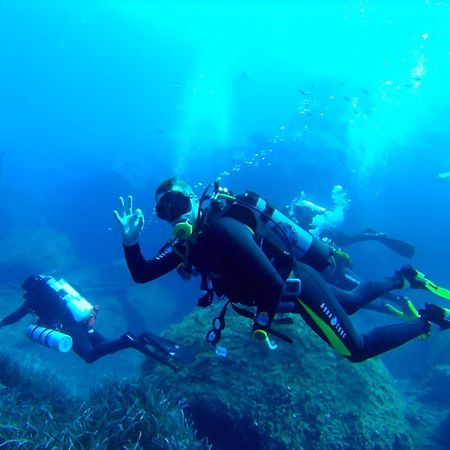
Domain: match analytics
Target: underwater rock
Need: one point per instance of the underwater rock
(435, 388)
(440, 435)
(300, 396)
(39, 249)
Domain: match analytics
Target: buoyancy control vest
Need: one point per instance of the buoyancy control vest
(304, 246)
(80, 309)
(281, 239)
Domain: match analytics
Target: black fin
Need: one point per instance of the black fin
(396, 245)
(162, 359)
(169, 348)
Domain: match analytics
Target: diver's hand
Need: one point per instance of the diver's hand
(131, 223)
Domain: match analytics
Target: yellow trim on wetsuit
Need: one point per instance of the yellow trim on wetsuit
(333, 339)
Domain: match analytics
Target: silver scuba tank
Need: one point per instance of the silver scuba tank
(305, 247)
(49, 338)
(299, 238)
(78, 306)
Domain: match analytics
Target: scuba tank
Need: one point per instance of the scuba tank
(303, 245)
(49, 338)
(299, 239)
(78, 306)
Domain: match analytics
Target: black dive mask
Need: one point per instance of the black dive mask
(172, 205)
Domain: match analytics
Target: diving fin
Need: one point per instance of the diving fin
(396, 245)
(418, 280)
(169, 348)
(394, 311)
(433, 287)
(138, 345)
(404, 308)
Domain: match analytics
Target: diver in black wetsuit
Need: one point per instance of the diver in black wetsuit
(325, 223)
(245, 253)
(305, 213)
(59, 307)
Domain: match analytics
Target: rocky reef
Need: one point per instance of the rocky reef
(301, 395)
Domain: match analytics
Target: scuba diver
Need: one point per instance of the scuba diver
(65, 320)
(325, 223)
(252, 254)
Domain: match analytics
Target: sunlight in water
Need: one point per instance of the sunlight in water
(374, 135)
(206, 108)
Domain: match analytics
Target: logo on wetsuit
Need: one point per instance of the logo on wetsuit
(334, 321)
(164, 253)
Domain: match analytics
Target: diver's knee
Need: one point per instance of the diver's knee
(88, 357)
(357, 357)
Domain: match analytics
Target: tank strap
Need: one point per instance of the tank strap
(267, 213)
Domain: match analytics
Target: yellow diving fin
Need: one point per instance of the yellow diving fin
(433, 287)
(408, 311)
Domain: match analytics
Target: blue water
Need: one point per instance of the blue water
(105, 98)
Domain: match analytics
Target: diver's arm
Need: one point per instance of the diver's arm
(143, 270)
(15, 316)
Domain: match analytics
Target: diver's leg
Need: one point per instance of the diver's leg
(95, 338)
(341, 277)
(324, 314)
(365, 292)
(340, 238)
(82, 345)
(382, 339)
(396, 245)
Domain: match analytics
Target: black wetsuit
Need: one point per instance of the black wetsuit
(88, 343)
(238, 268)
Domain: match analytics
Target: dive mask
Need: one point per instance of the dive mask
(173, 205)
